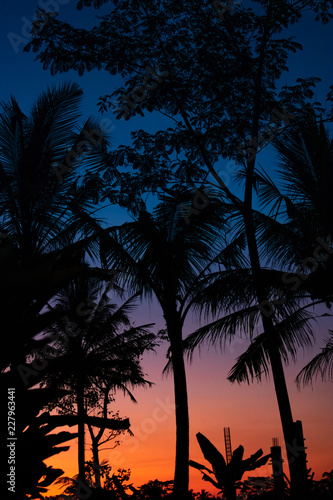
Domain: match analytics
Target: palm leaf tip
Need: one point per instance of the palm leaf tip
(321, 365)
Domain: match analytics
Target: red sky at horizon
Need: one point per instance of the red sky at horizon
(250, 411)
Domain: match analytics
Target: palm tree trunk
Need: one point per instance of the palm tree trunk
(80, 410)
(296, 460)
(181, 477)
(297, 483)
(297, 486)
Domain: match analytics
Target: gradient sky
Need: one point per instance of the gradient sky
(250, 411)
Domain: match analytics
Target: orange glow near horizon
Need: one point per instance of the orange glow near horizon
(250, 411)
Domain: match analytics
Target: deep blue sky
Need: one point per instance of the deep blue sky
(24, 77)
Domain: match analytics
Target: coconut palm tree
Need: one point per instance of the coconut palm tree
(45, 220)
(295, 237)
(306, 170)
(284, 237)
(42, 210)
(300, 228)
(233, 299)
(167, 259)
(302, 196)
(101, 355)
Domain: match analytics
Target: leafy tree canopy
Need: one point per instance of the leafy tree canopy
(212, 77)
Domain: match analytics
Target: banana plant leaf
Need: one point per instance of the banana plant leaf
(198, 466)
(38, 445)
(226, 474)
(211, 453)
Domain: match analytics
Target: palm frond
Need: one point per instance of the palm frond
(306, 172)
(321, 365)
(292, 333)
(53, 117)
(39, 210)
(223, 329)
(269, 193)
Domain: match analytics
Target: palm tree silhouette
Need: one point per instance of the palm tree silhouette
(299, 214)
(305, 200)
(38, 211)
(101, 355)
(167, 258)
(233, 294)
(301, 205)
(46, 225)
(286, 237)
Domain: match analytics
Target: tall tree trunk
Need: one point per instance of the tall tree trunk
(296, 460)
(97, 471)
(81, 414)
(298, 480)
(96, 439)
(181, 477)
